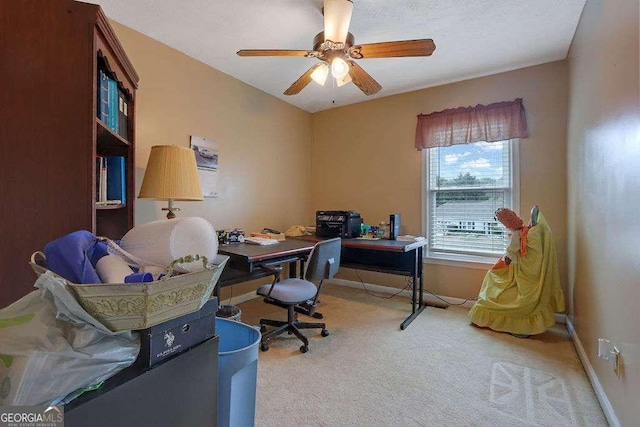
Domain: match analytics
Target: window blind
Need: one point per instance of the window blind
(466, 184)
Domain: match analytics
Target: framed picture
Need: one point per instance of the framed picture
(206, 152)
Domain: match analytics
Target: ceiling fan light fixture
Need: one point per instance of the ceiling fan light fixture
(343, 81)
(337, 16)
(339, 68)
(319, 75)
(335, 47)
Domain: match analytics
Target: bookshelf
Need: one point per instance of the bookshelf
(51, 132)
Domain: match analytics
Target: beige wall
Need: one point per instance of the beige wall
(604, 193)
(265, 144)
(361, 157)
(364, 159)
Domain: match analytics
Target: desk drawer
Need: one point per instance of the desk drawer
(402, 263)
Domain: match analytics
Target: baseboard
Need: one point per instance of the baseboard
(560, 318)
(240, 299)
(429, 298)
(607, 409)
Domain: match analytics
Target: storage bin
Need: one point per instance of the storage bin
(237, 373)
(167, 339)
(230, 312)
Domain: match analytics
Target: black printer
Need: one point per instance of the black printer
(338, 224)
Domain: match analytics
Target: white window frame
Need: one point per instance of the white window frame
(466, 260)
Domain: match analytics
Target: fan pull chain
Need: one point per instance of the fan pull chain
(333, 90)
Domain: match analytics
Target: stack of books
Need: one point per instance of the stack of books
(111, 180)
(113, 106)
(409, 238)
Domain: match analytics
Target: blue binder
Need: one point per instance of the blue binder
(116, 179)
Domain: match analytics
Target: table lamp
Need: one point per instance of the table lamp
(171, 174)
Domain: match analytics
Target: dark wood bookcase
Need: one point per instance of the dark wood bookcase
(50, 134)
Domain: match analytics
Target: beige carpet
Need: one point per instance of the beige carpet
(440, 371)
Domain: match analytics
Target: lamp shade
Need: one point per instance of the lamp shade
(339, 68)
(320, 73)
(337, 16)
(171, 174)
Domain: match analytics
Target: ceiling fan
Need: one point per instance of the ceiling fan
(336, 48)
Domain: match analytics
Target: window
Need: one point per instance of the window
(464, 185)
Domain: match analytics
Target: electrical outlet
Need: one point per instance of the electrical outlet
(604, 349)
(608, 351)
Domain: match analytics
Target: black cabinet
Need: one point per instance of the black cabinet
(182, 391)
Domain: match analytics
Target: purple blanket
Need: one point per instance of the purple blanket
(70, 256)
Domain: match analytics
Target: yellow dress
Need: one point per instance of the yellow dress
(521, 298)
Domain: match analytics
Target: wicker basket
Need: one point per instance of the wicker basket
(133, 306)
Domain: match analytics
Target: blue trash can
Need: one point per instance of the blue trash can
(237, 373)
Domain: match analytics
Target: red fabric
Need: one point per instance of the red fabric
(509, 219)
(523, 240)
(500, 264)
(500, 121)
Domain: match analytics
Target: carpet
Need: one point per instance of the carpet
(439, 371)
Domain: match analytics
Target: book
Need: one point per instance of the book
(103, 180)
(409, 238)
(113, 105)
(274, 236)
(116, 179)
(103, 97)
(122, 115)
(109, 202)
(98, 172)
(260, 241)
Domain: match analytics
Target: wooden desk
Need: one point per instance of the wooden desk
(387, 256)
(247, 261)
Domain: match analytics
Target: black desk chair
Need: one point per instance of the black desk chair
(323, 264)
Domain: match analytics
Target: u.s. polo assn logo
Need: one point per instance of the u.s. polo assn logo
(169, 338)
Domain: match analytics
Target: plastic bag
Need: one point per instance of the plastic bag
(50, 347)
(158, 243)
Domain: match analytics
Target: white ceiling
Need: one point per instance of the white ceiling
(473, 38)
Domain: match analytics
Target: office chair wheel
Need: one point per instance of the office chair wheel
(317, 315)
(304, 349)
(324, 333)
(264, 346)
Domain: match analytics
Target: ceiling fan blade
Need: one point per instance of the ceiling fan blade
(337, 16)
(272, 52)
(422, 47)
(302, 82)
(362, 79)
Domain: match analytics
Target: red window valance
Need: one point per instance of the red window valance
(494, 122)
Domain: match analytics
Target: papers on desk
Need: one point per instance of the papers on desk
(260, 241)
(409, 238)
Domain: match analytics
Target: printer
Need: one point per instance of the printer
(338, 224)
